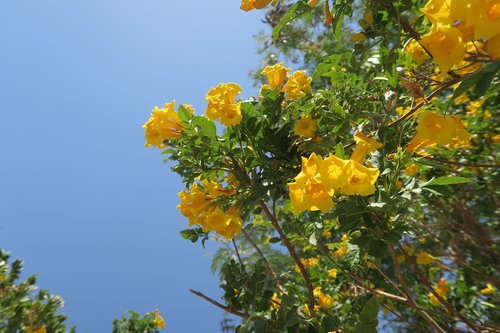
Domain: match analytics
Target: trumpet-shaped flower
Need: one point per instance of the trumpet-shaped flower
(446, 45)
(489, 290)
(276, 75)
(442, 290)
(360, 179)
(434, 128)
(298, 85)
(248, 5)
(305, 127)
(163, 124)
(416, 51)
(364, 146)
(222, 104)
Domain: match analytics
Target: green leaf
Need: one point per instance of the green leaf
(296, 10)
(339, 151)
(184, 114)
(189, 234)
(204, 126)
(482, 80)
(446, 181)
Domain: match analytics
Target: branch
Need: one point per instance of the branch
(266, 262)
(428, 286)
(237, 252)
(411, 301)
(222, 306)
(471, 165)
(292, 252)
(375, 291)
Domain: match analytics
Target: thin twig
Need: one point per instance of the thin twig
(292, 252)
(391, 282)
(375, 291)
(428, 286)
(266, 262)
(471, 165)
(222, 306)
(411, 301)
(237, 252)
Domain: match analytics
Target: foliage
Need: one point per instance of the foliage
(363, 196)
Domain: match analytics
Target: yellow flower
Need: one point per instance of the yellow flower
(340, 252)
(344, 238)
(360, 179)
(158, 320)
(411, 170)
(434, 128)
(40, 329)
(305, 127)
(324, 301)
(298, 85)
(313, 262)
(489, 290)
(247, 5)
(326, 234)
(328, 15)
(442, 290)
(487, 16)
(398, 185)
(199, 206)
(424, 258)
(276, 75)
(446, 45)
(492, 47)
(312, 3)
(495, 138)
(416, 51)
(364, 146)
(332, 272)
(368, 18)
(358, 37)
(222, 104)
(275, 302)
(308, 192)
(163, 124)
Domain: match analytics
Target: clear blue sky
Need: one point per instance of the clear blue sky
(82, 202)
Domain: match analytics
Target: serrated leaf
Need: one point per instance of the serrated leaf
(446, 181)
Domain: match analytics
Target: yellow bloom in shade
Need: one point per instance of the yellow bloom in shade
(411, 170)
(163, 124)
(276, 75)
(275, 302)
(358, 37)
(340, 251)
(344, 238)
(489, 290)
(442, 290)
(298, 85)
(434, 128)
(312, 3)
(446, 45)
(222, 104)
(306, 127)
(313, 262)
(416, 51)
(424, 258)
(368, 18)
(158, 320)
(399, 185)
(495, 138)
(364, 146)
(324, 301)
(360, 179)
(332, 272)
(492, 47)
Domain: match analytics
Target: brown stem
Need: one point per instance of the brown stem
(292, 252)
(428, 286)
(392, 283)
(403, 319)
(411, 301)
(471, 165)
(266, 262)
(237, 252)
(222, 306)
(375, 291)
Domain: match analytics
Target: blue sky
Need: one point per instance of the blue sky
(82, 202)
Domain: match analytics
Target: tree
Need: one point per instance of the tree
(360, 196)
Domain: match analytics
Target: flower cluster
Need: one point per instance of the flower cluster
(457, 22)
(437, 129)
(364, 146)
(222, 104)
(297, 86)
(163, 124)
(321, 178)
(201, 206)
